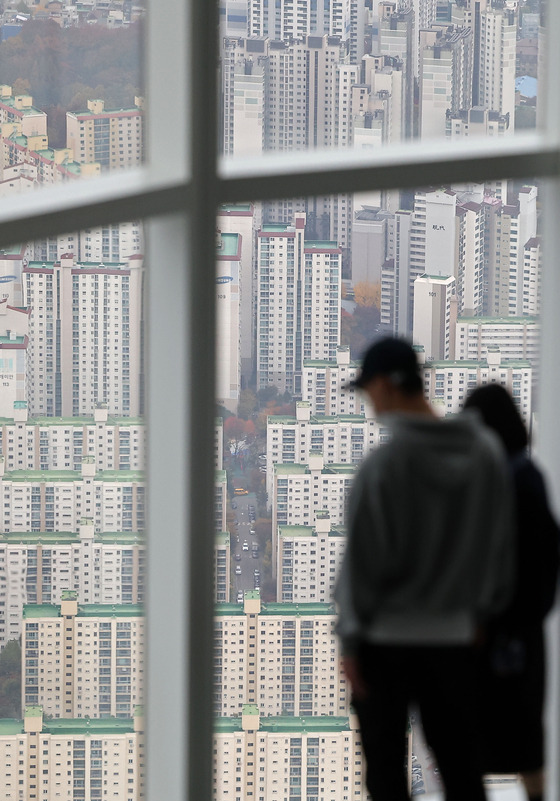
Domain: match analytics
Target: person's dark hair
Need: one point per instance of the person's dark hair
(499, 412)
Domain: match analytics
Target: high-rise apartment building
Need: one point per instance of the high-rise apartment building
(498, 36)
(284, 657)
(83, 660)
(228, 290)
(57, 500)
(31, 443)
(299, 491)
(38, 567)
(19, 110)
(516, 337)
(86, 334)
(341, 439)
(433, 315)
(309, 559)
(396, 38)
(320, 756)
(112, 138)
(111, 243)
(222, 567)
(326, 386)
(447, 383)
(298, 309)
(513, 288)
(445, 77)
(244, 219)
(46, 758)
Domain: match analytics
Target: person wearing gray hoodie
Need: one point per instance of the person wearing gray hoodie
(430, 558)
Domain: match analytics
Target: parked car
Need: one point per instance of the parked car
(240, 596)
(237, 570)
(237, 557)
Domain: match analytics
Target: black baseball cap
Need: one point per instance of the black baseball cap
(389, 356)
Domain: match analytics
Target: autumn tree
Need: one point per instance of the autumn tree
(238, 431)
(367, 293)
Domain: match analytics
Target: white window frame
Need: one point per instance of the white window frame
(177, 193)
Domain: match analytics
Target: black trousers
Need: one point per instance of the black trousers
(441, 681)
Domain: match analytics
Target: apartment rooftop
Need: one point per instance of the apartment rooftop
(56, 476)
(285, 725)
(506, 321)
(125, 538)
(286, 419)
(31, 611)
(521, 364)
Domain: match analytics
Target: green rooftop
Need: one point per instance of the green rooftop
(40, 610)
(93, 726)
(297, 610)
(72, 475)
(498, 320)
(296, 531)
(327, 244)
(317, 419)
(9, 726)
(311, 724)
(274, 227)
(12, 341)
(474, 363)
(84, 610)
(327, 364)
(286, 725)
(227, 610)
(236, 207)
(229, 245)
(76, 421)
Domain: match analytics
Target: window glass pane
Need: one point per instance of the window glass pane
(71, 99)
(456, 269)
(72, 556)
(361, 74)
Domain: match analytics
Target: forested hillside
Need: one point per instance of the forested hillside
(63, 68)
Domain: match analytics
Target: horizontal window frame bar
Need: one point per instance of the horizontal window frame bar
(134, 194)
(400, 167)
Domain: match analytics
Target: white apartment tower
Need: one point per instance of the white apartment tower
(70, 755)
(241, 219)
(309, 559)
(314, 757)
(513, 287)
(278, 655)
(111, 138)
(447, 383)
(37, 568)
(498, 34)
(400, 271)
(433, 297)
(85, 336)
(298, 303)
(14, 345)
(244, 70)
(83, 660)
(228, 288)
(445, 77)
(396, 38)
(325, 385)
(54, 500)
